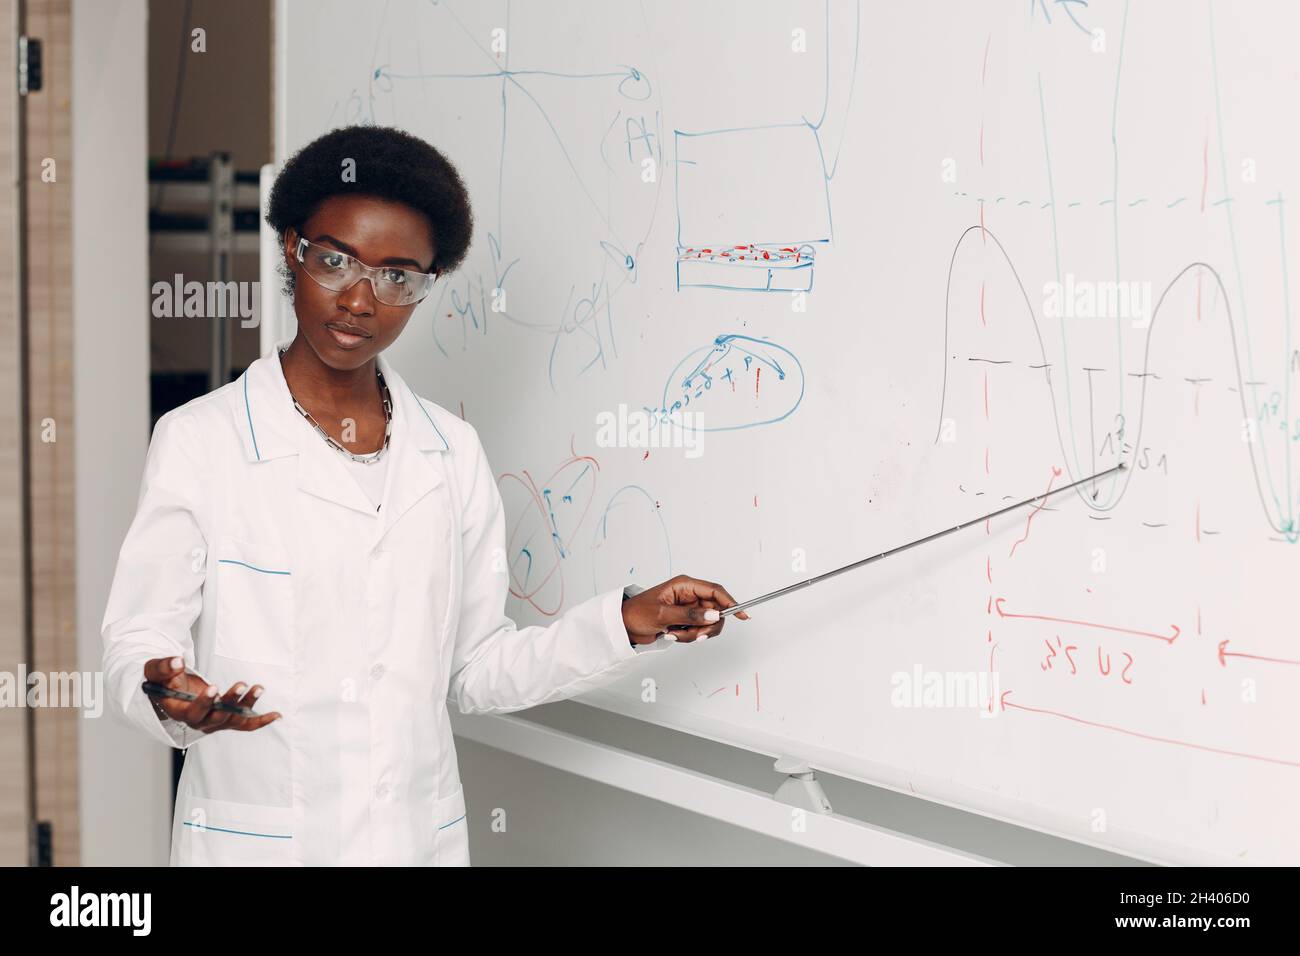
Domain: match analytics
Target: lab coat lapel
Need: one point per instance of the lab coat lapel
(271, 428)
(412, 473)
(322, 472)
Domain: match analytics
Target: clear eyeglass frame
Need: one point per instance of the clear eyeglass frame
(346, 271)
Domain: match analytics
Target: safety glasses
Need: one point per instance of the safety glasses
(338, 271)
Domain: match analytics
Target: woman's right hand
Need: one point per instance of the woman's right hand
(171, 672)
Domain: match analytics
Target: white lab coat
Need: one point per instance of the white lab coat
(361, 625)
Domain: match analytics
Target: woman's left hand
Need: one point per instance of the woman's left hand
(687, 609)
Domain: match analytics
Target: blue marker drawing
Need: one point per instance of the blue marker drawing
(738, 381)
(630, 533)
(588, 132)
(753, 203)
(540, 512)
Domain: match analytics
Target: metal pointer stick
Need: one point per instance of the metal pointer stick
(799, 585)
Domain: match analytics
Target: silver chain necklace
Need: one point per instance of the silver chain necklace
(370, 457)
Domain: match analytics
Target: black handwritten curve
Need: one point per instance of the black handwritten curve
(1284, 528)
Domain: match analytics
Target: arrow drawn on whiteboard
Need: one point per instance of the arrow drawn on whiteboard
(1224, 654)
(704, 383)
(1168, 639)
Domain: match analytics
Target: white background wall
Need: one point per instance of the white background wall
(125, 798)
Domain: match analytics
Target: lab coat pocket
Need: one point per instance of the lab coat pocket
(453, 829)
(254, 603)
(223, 833)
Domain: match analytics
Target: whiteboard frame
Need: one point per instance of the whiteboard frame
(832, 834)
(836, 835)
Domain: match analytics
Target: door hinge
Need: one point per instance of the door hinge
(41, 850)
(29, 65)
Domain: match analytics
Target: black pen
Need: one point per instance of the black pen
(158, 690)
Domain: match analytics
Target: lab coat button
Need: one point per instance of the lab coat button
(376, 671)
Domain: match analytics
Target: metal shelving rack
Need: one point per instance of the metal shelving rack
(211, 208)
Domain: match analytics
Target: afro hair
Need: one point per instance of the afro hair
(390, 164)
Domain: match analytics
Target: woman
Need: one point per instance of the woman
(340, 542)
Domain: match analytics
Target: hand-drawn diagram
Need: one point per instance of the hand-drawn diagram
(714, 184)
(723, 384)
(630, 541)
(1229, 421)
(548, 518)
(542, 538)
(586, 134)
(753, 203)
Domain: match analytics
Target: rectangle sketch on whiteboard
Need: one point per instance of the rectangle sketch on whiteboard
(752, 208)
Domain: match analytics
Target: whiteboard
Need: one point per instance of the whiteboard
(870, 271)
